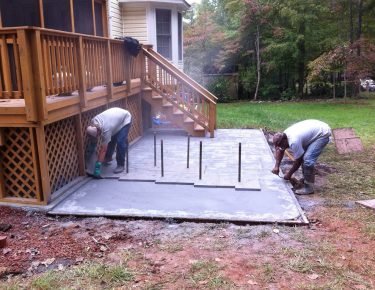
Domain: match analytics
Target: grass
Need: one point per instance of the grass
(86, 276)
(358, 114)
(205, 274)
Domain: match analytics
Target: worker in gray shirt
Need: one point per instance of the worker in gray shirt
(112, 126)
(306, 139)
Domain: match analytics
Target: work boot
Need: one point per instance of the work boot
(107, 161)
(119, 169)
(308, 183)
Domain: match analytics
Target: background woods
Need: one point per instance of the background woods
(282, 49)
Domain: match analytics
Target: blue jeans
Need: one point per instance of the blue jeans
(313, 151)
(119, 140)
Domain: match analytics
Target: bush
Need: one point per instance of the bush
(220, 88)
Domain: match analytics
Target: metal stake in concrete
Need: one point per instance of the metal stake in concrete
(162, 158)
(239, 162)
(127, 159)
(188, 151)
(154, 148)
(200, 160)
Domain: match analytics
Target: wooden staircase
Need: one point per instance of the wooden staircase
(177, 97)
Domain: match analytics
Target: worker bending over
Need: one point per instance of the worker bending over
(112, 126)
(306, 139)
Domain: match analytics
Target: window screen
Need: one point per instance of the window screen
(57, 14)
(83, 20)
(20, 13)
(99, 19)
(163, 32)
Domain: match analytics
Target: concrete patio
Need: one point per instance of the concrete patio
(143, 192)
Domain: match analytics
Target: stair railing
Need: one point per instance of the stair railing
(180, 90)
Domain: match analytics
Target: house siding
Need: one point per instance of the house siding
(115, 19)
(135, 24)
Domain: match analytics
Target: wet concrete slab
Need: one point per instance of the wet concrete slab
(180, 193)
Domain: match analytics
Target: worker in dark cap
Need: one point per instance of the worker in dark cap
(112, 126)
(306, 140)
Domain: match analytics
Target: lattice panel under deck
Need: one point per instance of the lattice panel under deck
(62, 152)
(133, 105)
(18, 162)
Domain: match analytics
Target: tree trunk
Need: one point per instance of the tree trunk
(345, 94)
(334, 85)
(257, 48)
(351, 27)
(301, 59)
(359, 28)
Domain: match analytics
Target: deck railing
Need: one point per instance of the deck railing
(180, 90)
(10, 70)
(36, 63)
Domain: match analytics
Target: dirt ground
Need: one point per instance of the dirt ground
(335, 252)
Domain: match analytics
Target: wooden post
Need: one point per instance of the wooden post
(5, 64)
(41, 13)
(109, 71)
(43, 163)
(93, 15)
(71, 4)
(82, 73)
(80, 145)
(128, 71)
(212, 119)
(27, 75)
(38, 72)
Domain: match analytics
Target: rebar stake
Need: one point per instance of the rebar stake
(162, 158)
(200, 160)
(155, 149)
(239, 162)
(188, 152)
(127, 159)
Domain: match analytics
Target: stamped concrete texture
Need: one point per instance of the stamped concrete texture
(260, 196)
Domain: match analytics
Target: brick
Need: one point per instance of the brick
(3, 241)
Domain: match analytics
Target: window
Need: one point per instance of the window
(99, 19)
(163, 32)
(57, 14)
(179, 36)
(83, 20)
(20, 13)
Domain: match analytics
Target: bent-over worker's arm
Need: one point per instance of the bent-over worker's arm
(279, 156)
(102, 151)
(296, 164)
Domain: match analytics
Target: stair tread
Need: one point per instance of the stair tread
(198, 127)
(188, 120)
(157, 97)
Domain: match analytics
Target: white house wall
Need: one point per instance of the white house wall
(151, 22)
(135, 23)
(115, 19)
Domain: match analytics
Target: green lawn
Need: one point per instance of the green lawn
(358, 114)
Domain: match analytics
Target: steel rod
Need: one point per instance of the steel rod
(162, 158)
(127, 159)
(239, 162)
(188, 152)
(200, 160)
(154, 148)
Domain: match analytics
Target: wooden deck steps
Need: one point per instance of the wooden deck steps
(173, 113)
